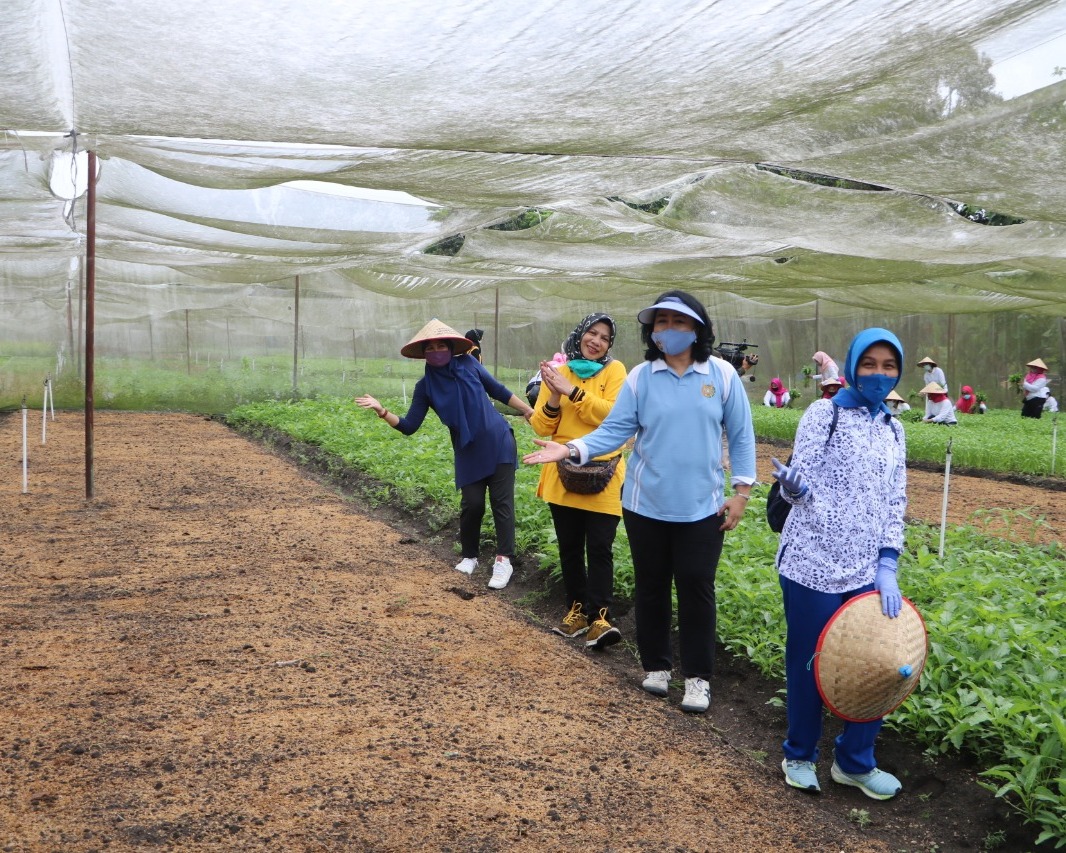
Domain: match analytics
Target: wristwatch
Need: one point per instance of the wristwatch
(575, 454)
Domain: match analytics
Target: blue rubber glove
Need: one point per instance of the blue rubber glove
(886, 584)
(791, 481)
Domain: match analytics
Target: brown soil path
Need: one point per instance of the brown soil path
(221, 653)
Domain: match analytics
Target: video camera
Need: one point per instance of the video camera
(737, 355)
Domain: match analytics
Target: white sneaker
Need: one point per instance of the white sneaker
(658, 682)
(697, 695)
(466, 565)
(501, 573)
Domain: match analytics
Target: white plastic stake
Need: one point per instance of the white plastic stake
(44, 409)
(25, 452)
(944, 506)
(1054, 439)
(405, 392)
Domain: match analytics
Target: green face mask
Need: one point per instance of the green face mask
(584, 368)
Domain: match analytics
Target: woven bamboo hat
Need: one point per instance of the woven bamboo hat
(866, 664)
(927, 360)
(1036, 362)
(892, 395)
(435, 330)
(934, 388)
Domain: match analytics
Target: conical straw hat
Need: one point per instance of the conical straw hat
(927, 360)
(866, 664)
(1036, 362)
(933, 388)
(435, 330)
(892, 395)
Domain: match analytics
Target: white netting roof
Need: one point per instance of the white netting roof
(663, 144)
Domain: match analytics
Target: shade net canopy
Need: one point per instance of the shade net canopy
(780, 158)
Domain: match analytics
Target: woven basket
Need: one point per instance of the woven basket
(866, 664)
(587, 479)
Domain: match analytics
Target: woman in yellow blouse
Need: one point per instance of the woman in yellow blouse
(574, 399)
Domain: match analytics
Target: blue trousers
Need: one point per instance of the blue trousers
(806, 614)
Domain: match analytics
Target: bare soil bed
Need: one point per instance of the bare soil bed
(225, 650)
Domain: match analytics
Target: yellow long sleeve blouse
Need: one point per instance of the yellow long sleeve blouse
(574, 421)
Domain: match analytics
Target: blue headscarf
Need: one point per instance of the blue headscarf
(852, 397)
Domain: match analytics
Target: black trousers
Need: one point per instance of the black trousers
(580, 532)
(685, 554)
(1033, 407)
(500, 487)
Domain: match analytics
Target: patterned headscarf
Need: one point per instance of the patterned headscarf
(572, 345)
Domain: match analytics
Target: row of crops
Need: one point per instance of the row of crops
(994, 683)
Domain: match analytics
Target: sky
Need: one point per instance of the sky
(1025, 58)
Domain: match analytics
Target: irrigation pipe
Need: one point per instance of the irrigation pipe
(944, 505)
(25, 452)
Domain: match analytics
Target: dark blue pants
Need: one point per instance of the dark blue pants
(686, 554)
(580, 532)
(806, 614)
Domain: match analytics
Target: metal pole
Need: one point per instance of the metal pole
(188, 358)
(295, 332)
(25, 452)
(90, 324)
(496, 338)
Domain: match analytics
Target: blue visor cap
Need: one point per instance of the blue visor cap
(671, 303)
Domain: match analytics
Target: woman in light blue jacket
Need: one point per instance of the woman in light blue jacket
(678, 403)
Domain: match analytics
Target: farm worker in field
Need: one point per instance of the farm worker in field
(1051, 405)
(938, 407)
(827, 368)
(967, 402)
(574, 398)
(896, 404)
(677, 402)
(830, 386)
(931, 373)
(475, 336)
(842, 538)
(458, 387)
(1035, 389)
(777, 395)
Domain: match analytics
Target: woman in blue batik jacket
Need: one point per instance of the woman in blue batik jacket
(843, 537)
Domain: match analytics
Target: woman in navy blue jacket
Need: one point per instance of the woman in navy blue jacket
(458, 388)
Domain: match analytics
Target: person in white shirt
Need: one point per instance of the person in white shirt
(778, 396)
(932, 373)
(939, 409)
(1035, 389)
(896, 404)
(1051, 405)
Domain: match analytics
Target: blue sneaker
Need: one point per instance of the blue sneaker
(800, 774)
(876, 783)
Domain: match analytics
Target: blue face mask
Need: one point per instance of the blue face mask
(438, 358)
(873, 388)
(673, 341)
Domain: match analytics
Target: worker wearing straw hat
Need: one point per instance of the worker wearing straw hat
(939, 408)
(931, 373)
(843, 537)
(458, 387)
(1035, 389)
(897, 405)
